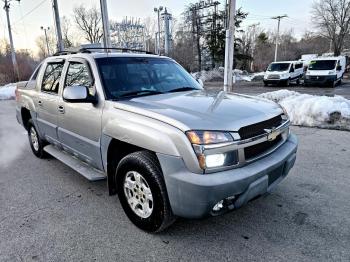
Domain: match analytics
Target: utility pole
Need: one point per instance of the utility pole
(60, 46)
(158, 10)
(167, 38)
(229, 47)
(13, 54)
(253, 36)
(47, 41)
(105, 22)
(278, 18)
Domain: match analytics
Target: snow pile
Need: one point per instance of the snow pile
(208, 76)
(217, 74)
(313, 111)
(7, 92)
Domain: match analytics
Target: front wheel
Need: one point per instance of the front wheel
(298, 81)
(142, 192)
(288, 82)
(36, 143)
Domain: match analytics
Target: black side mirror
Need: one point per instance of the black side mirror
(78, 94)
(339, 68)
(292, 70)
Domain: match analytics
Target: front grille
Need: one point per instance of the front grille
(317, 78)
(254, 151)
(258, 129)
(273, 77)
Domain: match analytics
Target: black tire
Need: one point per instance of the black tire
(298, 81)
(266, 84)
(333, 84)
(146, 164)
(287, 82)
(38, 150)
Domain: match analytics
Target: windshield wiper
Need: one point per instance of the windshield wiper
(141, 93)
(180, 89)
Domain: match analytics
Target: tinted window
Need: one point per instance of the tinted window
(123, 75)
(79, 75)
(51, 78)
(35, 74)
(322, 65)
(279, 67)
(297, 66)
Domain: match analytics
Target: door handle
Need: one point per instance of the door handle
(40, 103)
(61, 109)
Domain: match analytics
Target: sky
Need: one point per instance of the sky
(29, 15)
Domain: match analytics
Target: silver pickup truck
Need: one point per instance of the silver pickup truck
(166, 146)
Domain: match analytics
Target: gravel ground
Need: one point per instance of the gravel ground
(50, 213)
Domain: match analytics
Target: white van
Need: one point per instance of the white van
(326, 71)
(284, 73)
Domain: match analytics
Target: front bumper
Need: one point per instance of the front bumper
(275, 81)
(319, 80)
(194, 195)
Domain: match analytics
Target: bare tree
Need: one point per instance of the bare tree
(88, 22)
(41, 44)
(333, 18)
(66, 32)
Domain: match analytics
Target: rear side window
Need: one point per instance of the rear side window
(298, 66)
(79, 75)
(51, 78)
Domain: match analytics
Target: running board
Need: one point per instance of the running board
(82, 168)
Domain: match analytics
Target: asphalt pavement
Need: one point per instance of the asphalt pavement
(48, 212)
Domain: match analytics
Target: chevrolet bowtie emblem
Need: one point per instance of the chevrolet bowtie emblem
(271, 134)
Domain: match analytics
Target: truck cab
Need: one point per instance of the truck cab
(325, 71)
(283, 73)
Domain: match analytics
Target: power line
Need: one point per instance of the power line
(31, 11)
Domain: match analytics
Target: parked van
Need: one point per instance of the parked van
(326, 71)
(284, 73)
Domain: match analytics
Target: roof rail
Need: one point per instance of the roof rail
(123, 50)
(92, 49)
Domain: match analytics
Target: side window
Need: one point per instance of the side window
(78, 74)
(35, 73)
(51, 78)
(298, 66)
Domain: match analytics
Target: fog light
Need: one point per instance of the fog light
(214, 160)
(218, 206)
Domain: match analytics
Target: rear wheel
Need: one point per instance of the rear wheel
(142, 192)
(36, 143)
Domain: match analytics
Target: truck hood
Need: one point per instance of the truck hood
(203, 110)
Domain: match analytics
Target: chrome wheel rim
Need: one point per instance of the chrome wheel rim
(34, 139)
(138, 194)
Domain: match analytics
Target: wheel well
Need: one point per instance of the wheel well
(25, 116)
(117, 150)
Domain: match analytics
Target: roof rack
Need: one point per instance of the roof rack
(91, 49)
(123, 50)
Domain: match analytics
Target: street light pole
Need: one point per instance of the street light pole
(60, 45)
(46, 39)
(229, 47)
(278, 18)
(158, 10)
(13, 54)
(105, 22)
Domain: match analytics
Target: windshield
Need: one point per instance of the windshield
(322, 65)
(278, 67)
(131, 77)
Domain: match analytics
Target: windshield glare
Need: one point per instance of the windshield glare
(279, 67)
(322, 65)
(123, 75)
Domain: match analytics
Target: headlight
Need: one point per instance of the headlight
(285, 115)
(208, 137)
(202, 141)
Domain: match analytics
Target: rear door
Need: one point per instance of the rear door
(47, 100)
(79, 124)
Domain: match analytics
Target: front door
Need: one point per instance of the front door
(47, 101)
(79, 130)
